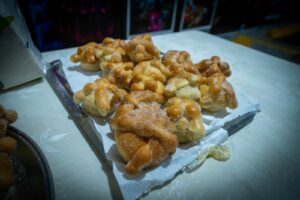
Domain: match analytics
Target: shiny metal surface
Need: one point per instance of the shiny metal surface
(56, 78)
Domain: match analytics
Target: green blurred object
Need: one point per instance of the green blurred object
(5, 22)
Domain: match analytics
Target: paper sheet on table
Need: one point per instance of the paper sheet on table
(133, 188)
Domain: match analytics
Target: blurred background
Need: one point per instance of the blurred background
(271, 26)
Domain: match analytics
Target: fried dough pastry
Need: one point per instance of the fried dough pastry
(100, 97)
(6, 117)
(114, 43)
(6, 172)
(217, 93)
(121, 73)
(142, 131)
(7, 145)
(179, 62)
(109, 54)
(149, 75)
(182, 88)
(186, 120)
(3, 127)
(136, 97)
(173, 57)
(139, 152)
(86, 55)
(146, 36)
(92, 55)
(149, 123)
(208, 67)
(141, 48)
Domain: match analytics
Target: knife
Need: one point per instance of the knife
(57, 80)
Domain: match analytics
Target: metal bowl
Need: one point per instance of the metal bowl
(33, 179)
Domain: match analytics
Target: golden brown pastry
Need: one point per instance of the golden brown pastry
(173, 57)
(100, 97)
(149, 75)
(142, 131)
(114, 43)
(139, 152)
(182, 88)
(3, 127)
(155, 125)
(179, 62)
(92, 55)
(121, 73)
(141, 48)
(217, 93)
(108, 54)
(86, 55)
(208, 67)
(7, 144)
(6, 172)
(6, 117)
(137, 99)
(146, 36)
(186, 120)
(11, 116)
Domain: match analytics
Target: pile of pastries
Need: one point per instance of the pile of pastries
(156, 101)
(7, 146)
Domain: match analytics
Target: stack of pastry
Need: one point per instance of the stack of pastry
(7, 146)
(157, 101)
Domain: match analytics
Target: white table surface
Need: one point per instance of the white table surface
(265, 161)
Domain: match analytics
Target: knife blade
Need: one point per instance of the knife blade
(57, 80)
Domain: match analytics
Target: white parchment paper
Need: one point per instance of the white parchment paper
(134, 187)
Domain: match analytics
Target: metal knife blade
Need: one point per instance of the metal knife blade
(57, 80)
